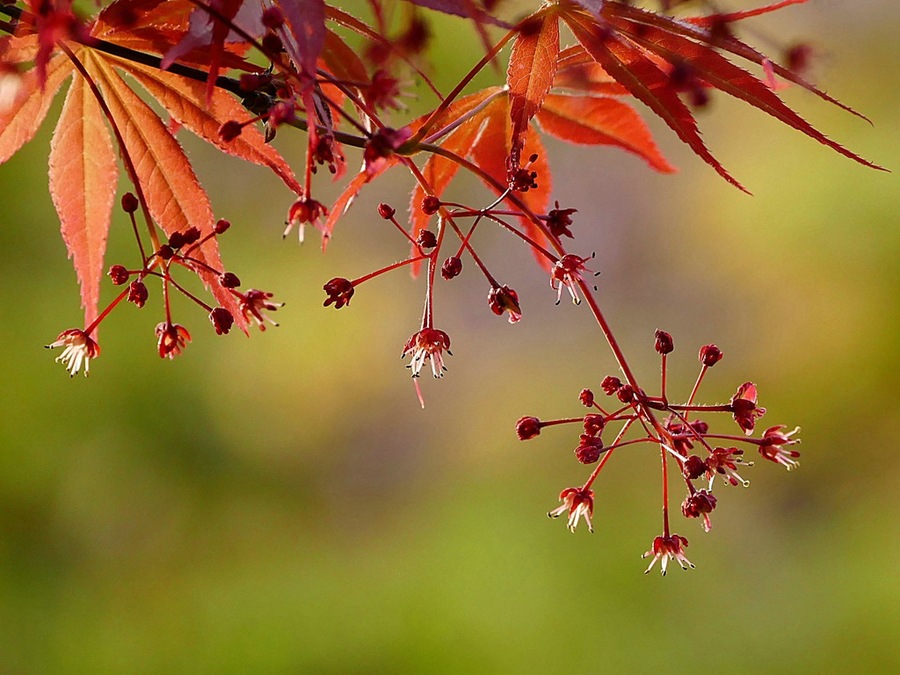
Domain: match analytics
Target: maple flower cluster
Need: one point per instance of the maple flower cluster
(698, 454)
(199, 62)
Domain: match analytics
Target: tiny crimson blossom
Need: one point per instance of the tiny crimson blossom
(668, 548)
(304, 210)
(172, 339)
(567, 272)
(725, 461)
(429, 344)
(579, 503)
(701, 503)
(772, 446)
(504, 299)
(79, 350)
(255, 304)
(744, 407)
(339, 292)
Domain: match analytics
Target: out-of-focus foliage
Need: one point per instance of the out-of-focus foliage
(292, 510)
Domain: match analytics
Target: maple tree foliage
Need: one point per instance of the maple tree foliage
(236, 72)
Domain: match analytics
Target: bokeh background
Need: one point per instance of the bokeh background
(281, 504)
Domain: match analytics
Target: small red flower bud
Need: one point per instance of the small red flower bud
(165, 251)
(693, 467)
(700, 426)
(611, 385)
(593, 424)
(229, 280)
(176, 240)
(190, 235)
(451, 268)
(589, 450)
(272, 18)
(426, 239)
(528, 427)
(230, 130)
(625, 393)
(129, 203)
(385, 211)
(339, 292)
(221, 226)
(586, 397)
(431, 205)
(272, 44)
(664, 343)
(710, 355)
(222, 320)
(137, 293)
(118, 274)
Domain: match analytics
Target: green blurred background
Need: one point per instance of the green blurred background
(282, 504)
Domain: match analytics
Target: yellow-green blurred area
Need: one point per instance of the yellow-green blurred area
(281, 504)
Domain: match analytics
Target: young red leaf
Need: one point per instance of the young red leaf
(532, 66)
(185, 101)
(588, 120)
(644, 79)
(20, 122)
(83, 176)
(718, 71)
(305, 20)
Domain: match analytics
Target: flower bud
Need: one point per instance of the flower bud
(586, 397)
(229, 280)
(386, 211)
(118, 274)
(221, 226)
(426, 239)
(137, 293)
(129, 203)
(451, 268)
(222, 320)
(528, 427)
(710, 355)
(610, 385)
(431, 205)
(664, 343)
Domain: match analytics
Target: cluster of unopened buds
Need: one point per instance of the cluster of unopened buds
(699, 455)
(181, 251)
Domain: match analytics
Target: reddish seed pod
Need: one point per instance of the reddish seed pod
(664, 343)
(129, 203)
(451, 268)
(118, 274)
(528, 427)
(221, 226)
(586, 397)
(431, 205)
(229, 280)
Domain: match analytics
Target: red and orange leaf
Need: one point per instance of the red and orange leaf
(305, 35)
(494, 135)
(20, 122)
(532, 67)
(83, 176)
(588, 120)
(577, 71)
(643, 78)
(722, 74)
(174, 196)
(185, 100)
(693, 29)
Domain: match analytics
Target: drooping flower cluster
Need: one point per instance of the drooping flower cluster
(694, 452)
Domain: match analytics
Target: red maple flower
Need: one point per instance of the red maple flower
(79, 350)
(579, 503)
